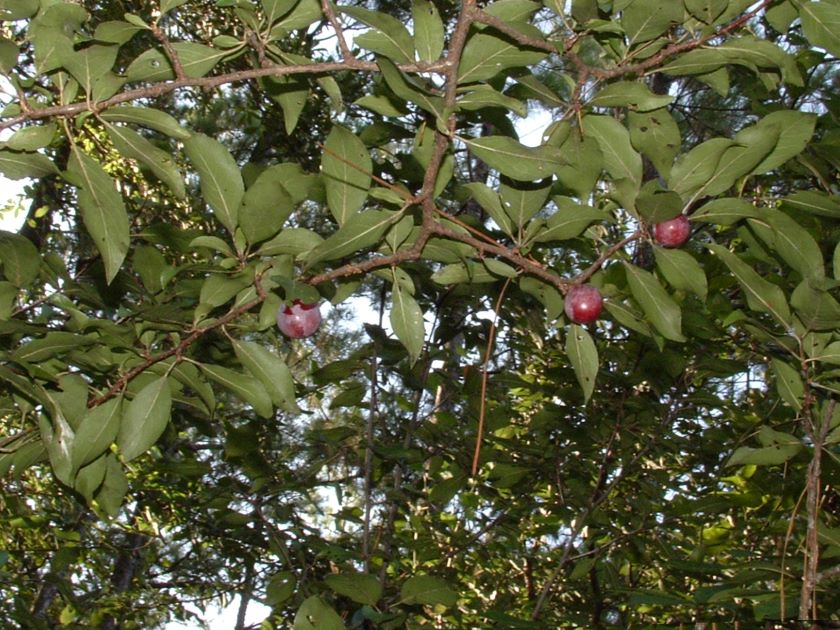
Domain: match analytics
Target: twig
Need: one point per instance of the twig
(484, 377)
(332, 18)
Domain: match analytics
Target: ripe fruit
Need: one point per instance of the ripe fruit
(673, 232)
(299, 319)
(583, 304)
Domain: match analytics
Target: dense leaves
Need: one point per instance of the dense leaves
(448, 449)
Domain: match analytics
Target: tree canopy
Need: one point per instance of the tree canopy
(486, 454)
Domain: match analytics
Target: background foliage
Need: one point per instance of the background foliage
(473, 459)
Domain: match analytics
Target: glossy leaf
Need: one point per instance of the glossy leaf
(17, 165)
(242, 386)
(266, 205)
(821, 25)
(583, 356)
(407, 321)
(515, 160)
(630, 94)
(360, 587)
(657, 136)
(132, 145)
(788, 383)
(427, 589)
(103, 210)
(145, 419)
(762, 295)
(315, 614)
(196, 60)
(361, 231)
(681, 270)
(346, 167)
(271, 371)
(20, 261)
(146, 117)
(428, 30)
(97, 431)
(391, 38)
(659, 308)
(486, 55)
(221, 181)
(620, 158)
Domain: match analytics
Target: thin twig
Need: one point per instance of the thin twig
(484, 376)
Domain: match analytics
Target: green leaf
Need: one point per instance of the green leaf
(694, 169)
(8, 295)
(167, 5)
(726, 211)
(346, 168)
(490, 200)
(97, 431)
(360, 587)
(795, 130)
(486, 55)
(275, 9)
(9, 52)
(243, 386)
(391, 38)
(315, 614)
(631, 94)
(762, 295)
(58, 438)
(221, 181)
(522, 200)
(90, 478)
(681, 270)
(707, 11)
(428, 30)
(659, 308)
(132, 145)
(116, 31)
(50, 345)
(792, 242)
(620, 158)
(515, 160)
(481, 96)
(91, 67)
(32, 138)
(16, 165)
(271, 371)
(698, 61)
(292, 241)
(196, 60)
(813, 201)
(581, 174)
(146, 117)
(217, 289)
(103, 211)
(789, 383)
(815, 307)
(361, 231)
(583, 356)
(410, 90)
(569, 221)
(114, 487)
(429, 590)
(407, 321)
(766, 456)
(266, 205)
(821, 25)
(145, 419)
(644, 20)
(19, 259)
(11, 10)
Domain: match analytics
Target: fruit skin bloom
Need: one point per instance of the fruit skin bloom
(298, 320)
(583, 304)
(672, 233)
